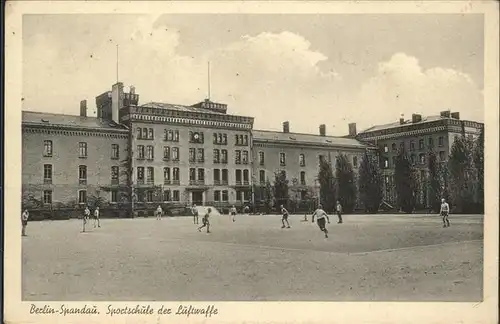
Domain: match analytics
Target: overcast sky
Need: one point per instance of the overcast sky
(308, 69)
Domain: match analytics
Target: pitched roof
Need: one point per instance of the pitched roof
(50, 119)
(311, 139)
(163, 105)
(406, 123)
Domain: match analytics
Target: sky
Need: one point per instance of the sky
(307, 69)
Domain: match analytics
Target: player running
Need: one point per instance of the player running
(206, 222)
(321, 215)
(159, 212)
(445, 211)
(233, 213)
(284, 219)
(86, 216)
(339, 212)
(194, 210)
(24, 221)
(96, 217)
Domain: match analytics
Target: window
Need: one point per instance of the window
(151, 175)
(244, 157)
(245, 140)
(225, 196)
(201, 175)
(393, 147)
(431, 142)
(82, 174)
(412, 146)
(246, 195)
(386, 149)
(139, 133)
(47, 196)
(140, 174)
(201, 155)
(303, 194)
(239, 195)
(262, 176)
(261, 158)
(246, 177)
(393, 161)
(176, 174)
(282, 159)
(140, 152)
(149, 196)
(224, 156)
(216, 176)
(237, 139)
(47, 173)
(441, 141)
(114, 196)
(355, 161)
(150, 152)
(82, 149)
(402, 145)
(82, 196)
(238, 176)
(192, 154)
(166, 195)
(237, 157)
(216, 156)
(192, 174)
(225, 176)
(176, 136)
(47, 148)
(220, 138)
(321, 158)
(421, 144)
(115, 173)
(175, 154)
(386, 163)
(115, 151)
(303, 178)
(412, 159)
(150, 134)
(442, 156)
(175, 195)
(144, 133)
(421, 158)
(166, 175)
(217, 195)
(168, 135)
(302, 160)
(166, 153)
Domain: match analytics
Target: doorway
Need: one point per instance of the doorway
(197, 198)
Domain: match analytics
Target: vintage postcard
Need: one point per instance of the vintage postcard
(251, 162)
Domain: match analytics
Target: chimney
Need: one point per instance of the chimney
(352, 129)
(83, 108)
(116, 101)
(416, 118)
(322, 130)
(286, 127)
(455, 115)
(401, 121)
(445, 114)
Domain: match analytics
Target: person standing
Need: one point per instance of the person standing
(96, 217)
(194, 210)
(284, 218)
(321, 215)
(86, 216)
(24, 221)
(205, 220)
(445, 211)
(159, 212)
(338, 208)
(233, 213)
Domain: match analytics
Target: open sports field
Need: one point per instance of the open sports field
(368, 257)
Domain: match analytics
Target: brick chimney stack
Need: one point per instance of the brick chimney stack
(352, 129)
(286, 127)
(322, 130)
(83, 108)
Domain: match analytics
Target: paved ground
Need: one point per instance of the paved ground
(372, 257)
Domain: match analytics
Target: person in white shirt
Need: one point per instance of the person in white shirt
(194, 210)
(338, 208)
(86, 216)
(233, 213)
(321, 216)
(159, 212)
(284, 218)
(206, 222)
(445, 211)
(96, 217)
(24, 221)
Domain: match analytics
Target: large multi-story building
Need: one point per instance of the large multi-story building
(417, 136)
(199, 154)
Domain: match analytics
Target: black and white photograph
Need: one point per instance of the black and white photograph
(209, 157)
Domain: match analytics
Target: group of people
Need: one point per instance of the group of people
(86, 217)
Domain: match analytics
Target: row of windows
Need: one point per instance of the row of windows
(302, 159)
(195, 174)
(421, 144)
(82, 174)
(302, 177)
(413, 159)
(48, 149)
(194, 137)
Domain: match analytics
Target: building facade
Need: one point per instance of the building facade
(416, 137)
